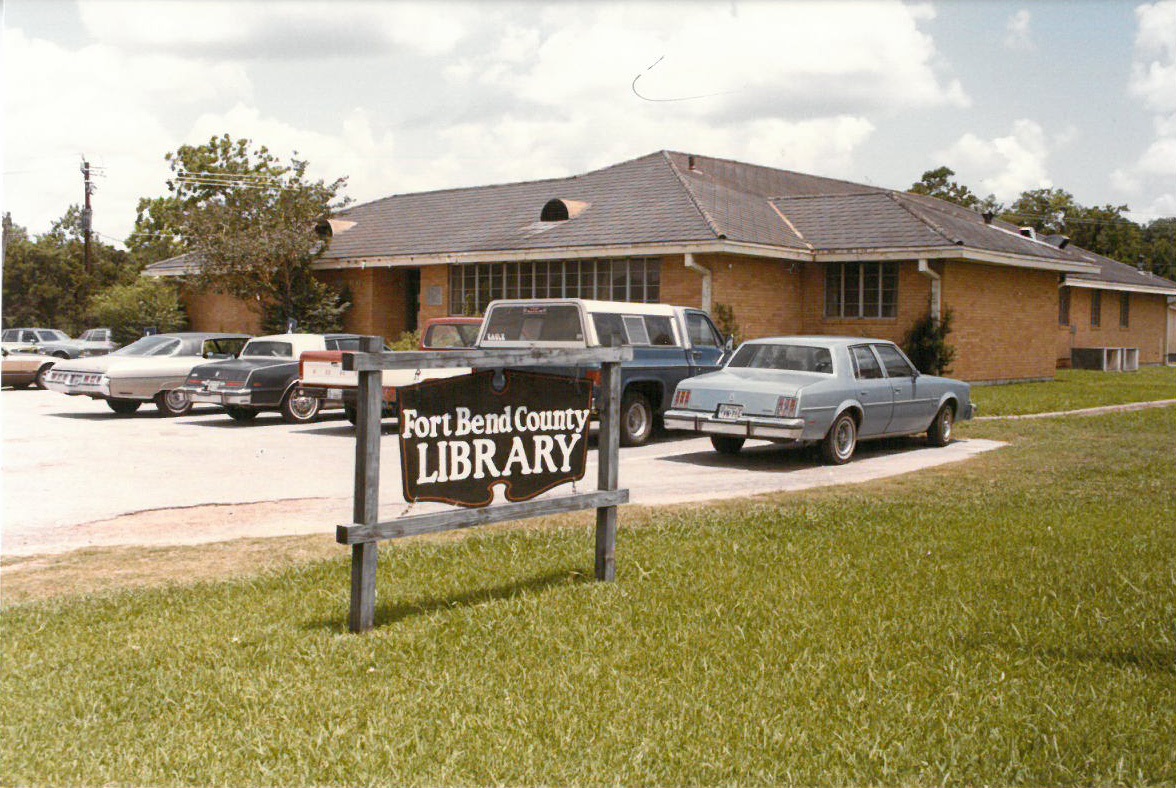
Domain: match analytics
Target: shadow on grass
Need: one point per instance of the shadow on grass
(395, 610)
(1151, 660)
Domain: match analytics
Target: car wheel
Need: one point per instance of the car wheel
(351, 412)
(636, 419)
(42, 373)
(939, 433)
(173, 402)
(124, 407)
(839, 443)
(298, 409)
(60, 354)
(238, 413)
(726, 445)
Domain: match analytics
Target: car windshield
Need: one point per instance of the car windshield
(51, 335)
(443, 335)
(268, 348)
(150, 346)
(794, 358)
(534, 323)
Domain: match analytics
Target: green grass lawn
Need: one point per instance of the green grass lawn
(1075, 389)
(1007, 620)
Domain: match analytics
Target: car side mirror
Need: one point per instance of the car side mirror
(729, 345)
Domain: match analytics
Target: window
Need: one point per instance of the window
(896, 365)
(1064, 306)
(865, 364)
(268, 348)
(792, 358)
(545, 323)
(633, 279)
(343, 343)
(613, 330)
(1124, 310)
(1095, 308)
(702, 332)
(861, 290)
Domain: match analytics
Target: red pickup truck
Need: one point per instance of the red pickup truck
(321, 373)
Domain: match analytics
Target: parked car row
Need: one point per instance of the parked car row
(51, 342)
(831, 392)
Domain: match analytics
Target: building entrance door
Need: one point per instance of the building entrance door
(412, 298)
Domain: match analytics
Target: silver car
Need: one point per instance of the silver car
(92, 342)
(833, 391)
(151, 369)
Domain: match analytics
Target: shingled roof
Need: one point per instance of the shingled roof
(1113, 275)
(672, 201)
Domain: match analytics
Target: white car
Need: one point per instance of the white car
(151, 369)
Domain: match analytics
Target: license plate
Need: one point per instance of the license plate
(334, 393)
(215, 385)
(730, 411)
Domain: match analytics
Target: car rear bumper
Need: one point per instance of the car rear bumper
(743, 427)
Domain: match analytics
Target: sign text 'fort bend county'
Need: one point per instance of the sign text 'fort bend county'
(461, 436)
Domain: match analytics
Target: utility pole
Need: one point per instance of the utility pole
(87, 214)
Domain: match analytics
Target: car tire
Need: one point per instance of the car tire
(939, 433)
(123, 407)
(840, 441)
(42, 373)
(173, 402)
(238, 413)
(724, 444)
(636, 419)
(298, 410)
(352, 413)
(60, 354)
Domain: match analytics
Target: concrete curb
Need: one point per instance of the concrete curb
(1131, 406)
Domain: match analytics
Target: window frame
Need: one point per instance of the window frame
(848, 300)
(1125, 309)
(472, 286)
(1096, 309)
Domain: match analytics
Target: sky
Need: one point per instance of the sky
(416, 96)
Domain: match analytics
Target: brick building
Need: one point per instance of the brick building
(786, 253)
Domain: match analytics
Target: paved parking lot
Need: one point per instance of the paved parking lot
(75, 474)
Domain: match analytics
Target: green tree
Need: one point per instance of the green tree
(45, 280)
(145, 303)
(1159, 238)
(251, 219)
(157, 233)
(939, 183)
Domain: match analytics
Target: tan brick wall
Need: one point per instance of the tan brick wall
(679, 285)
(220, 312)
(1003, 321)
(435, 276)
(764, 294)
(1146, 326)
(914, 301)
(377, 299)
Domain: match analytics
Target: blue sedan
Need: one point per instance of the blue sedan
(833, 391)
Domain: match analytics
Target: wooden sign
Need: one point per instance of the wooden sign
(459, 437)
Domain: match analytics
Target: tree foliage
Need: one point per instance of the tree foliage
(1103, 229)
(926, 344)
(143, 304)
(251, 220)
(45, 279)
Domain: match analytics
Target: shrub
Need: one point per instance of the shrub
(724, 315)
(926, 344)
(130, 309)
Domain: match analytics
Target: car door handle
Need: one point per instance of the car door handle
(863, 394)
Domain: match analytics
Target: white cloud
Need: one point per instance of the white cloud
(244, 30)
(111, 107)
(1004, 166)
(1017, 31)
(1153, 80)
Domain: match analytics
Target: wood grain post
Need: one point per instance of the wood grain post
(608, 444)
(365, 556)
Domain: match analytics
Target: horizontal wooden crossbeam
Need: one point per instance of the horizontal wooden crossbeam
(505, 357)
(436, 522)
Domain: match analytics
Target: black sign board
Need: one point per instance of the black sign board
(461, 436)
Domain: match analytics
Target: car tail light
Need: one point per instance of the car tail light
(234, 384)
(681, 398)
(786, 408)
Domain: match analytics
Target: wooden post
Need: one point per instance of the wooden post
(607, 452)
(365, 556)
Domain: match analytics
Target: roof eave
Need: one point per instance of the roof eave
(1119, 286)
(954, 253)
(567, 253)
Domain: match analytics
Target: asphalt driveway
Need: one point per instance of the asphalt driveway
(74, 474)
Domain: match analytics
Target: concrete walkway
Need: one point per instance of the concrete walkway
(1131, 406)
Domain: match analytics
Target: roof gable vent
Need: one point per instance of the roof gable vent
(558, 210)
(1029, 232)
